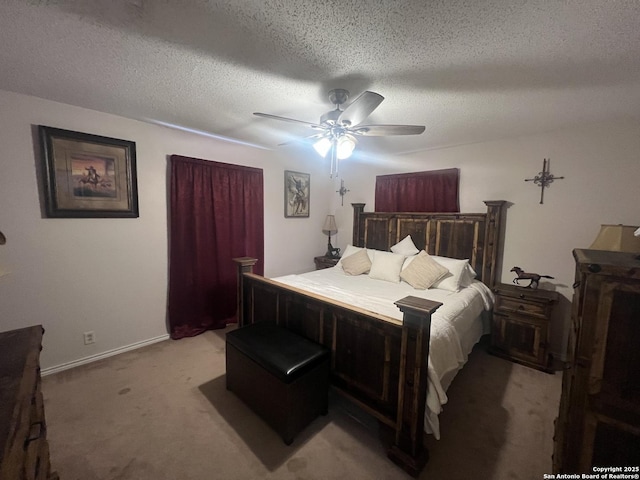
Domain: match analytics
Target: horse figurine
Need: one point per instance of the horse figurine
(522, 275)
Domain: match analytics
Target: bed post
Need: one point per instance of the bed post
(245, 265)
(492, 244)
(358, 208)
(408, 450)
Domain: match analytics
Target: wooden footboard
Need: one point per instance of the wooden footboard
(378, 362)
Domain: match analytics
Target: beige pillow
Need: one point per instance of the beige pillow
(357, 264)
(423, 271)
(350, 250)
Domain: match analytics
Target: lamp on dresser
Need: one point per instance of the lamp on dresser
(330, 228)
(617, 238)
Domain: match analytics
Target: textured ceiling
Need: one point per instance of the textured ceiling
(470, 71)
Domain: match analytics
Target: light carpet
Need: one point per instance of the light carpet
(162, 412)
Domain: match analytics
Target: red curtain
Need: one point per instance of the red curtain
(216, 214)
(432, 191)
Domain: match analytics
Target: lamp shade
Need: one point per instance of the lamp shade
(345, 145)
(330, 227)
(617, 238)
(323, 146)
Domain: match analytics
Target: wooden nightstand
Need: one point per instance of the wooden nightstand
(520, 326)
(325, 262)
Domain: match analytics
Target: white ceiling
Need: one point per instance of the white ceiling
(470, 71)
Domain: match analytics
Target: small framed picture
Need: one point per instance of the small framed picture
(88, 175)
(296, 194)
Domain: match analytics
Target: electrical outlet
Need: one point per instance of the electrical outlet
(89, 337)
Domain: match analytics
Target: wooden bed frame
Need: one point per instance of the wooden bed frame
(378, 362)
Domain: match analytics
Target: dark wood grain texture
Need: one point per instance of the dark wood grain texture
(24, 451)
(599, 419)
(520, 327)
(474, 236)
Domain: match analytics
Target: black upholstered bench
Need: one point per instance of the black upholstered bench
(280, 375)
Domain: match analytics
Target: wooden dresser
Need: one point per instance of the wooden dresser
(24, 451)
(599, 418)
(520, 329)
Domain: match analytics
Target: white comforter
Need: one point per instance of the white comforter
(455, 326)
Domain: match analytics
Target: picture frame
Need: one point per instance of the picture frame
(297, 187)
(88, 176)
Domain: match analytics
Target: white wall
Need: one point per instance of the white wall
(109, 276)
(601, 169)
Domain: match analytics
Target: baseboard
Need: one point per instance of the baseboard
(100, 356)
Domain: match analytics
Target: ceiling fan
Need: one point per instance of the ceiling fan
(338, 129)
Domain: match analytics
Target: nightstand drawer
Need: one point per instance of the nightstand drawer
(510, 305)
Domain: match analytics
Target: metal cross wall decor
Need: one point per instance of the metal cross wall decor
(544, 178)
(342, 191)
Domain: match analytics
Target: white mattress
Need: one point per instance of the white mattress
(455, 327)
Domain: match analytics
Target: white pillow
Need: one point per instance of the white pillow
(423, 272)
(460, 274)
(405, 247)
(386, 266)
(357, 264)
(468, 274)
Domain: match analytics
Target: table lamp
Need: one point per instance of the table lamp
(617, 238)
(329, 228)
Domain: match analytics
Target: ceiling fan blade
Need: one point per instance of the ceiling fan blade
(285, 119)
(360, 108)
(382, 130)
(303, 139)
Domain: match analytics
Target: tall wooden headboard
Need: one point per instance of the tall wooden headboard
(474, 236)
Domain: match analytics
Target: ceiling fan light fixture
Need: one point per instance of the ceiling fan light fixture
(322, 146)
(345, 146)
(340, 127)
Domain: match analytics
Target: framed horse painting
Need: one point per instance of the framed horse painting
(296, 194)
(88, 175)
